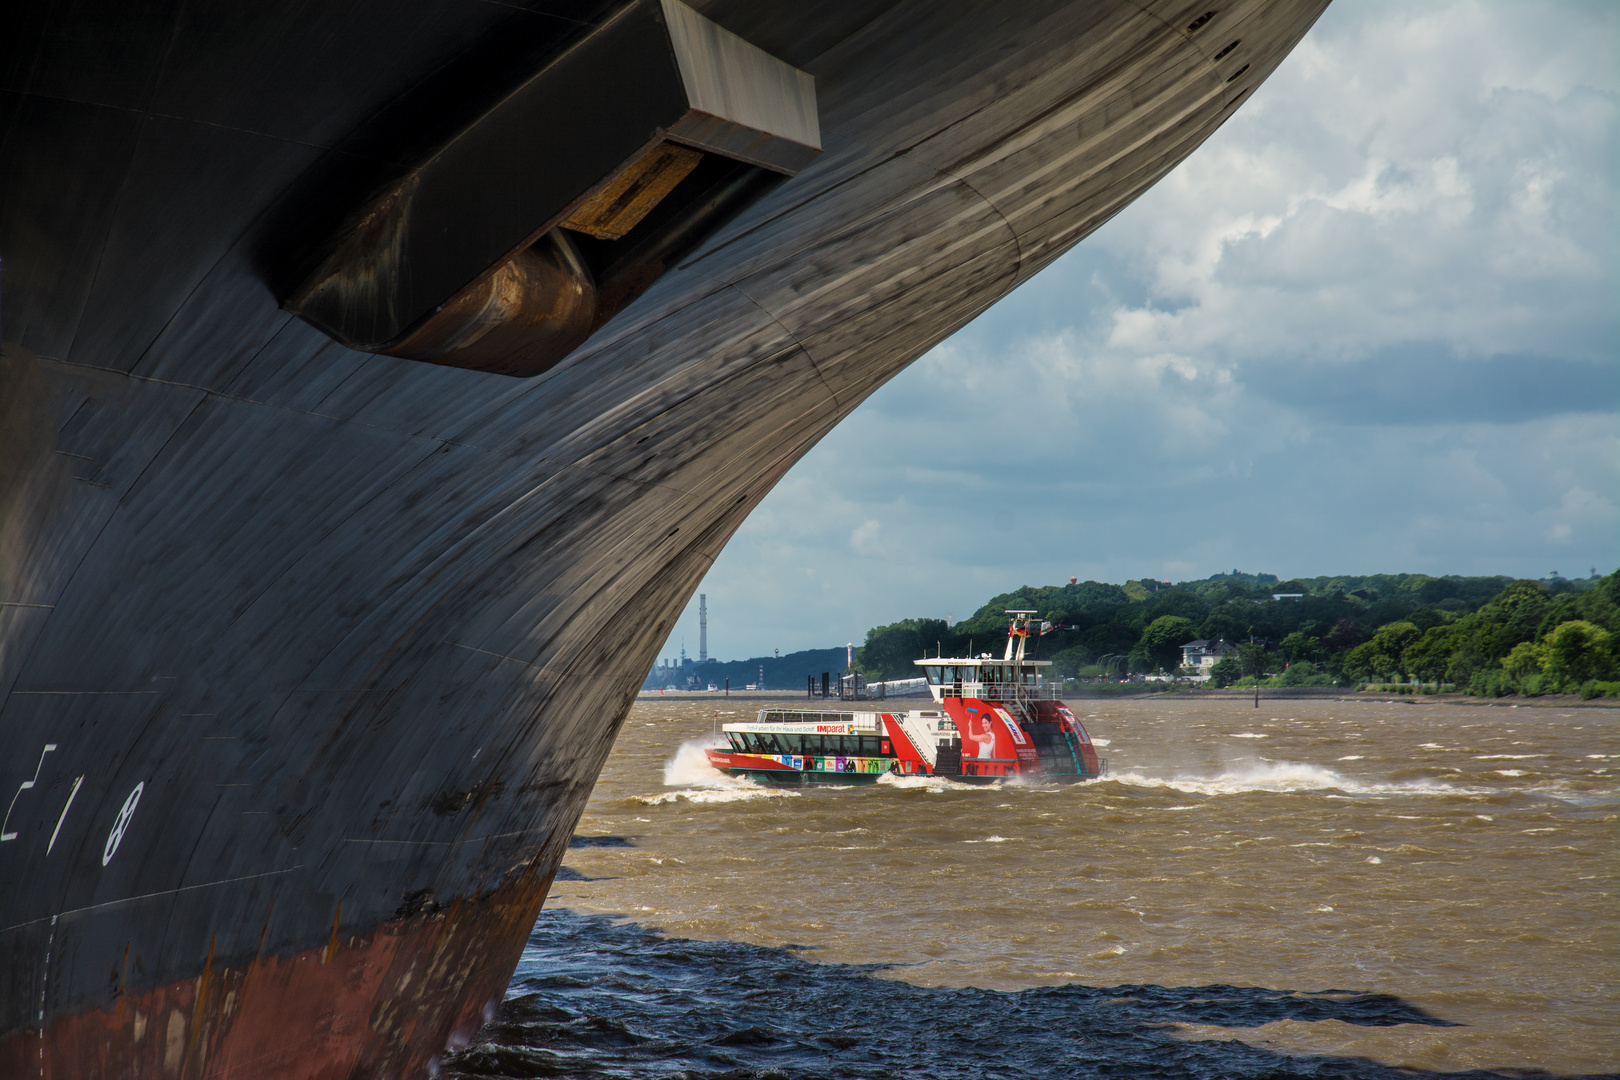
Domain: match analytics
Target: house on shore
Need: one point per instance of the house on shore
(1202, 654)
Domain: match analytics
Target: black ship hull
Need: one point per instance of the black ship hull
(310, 657)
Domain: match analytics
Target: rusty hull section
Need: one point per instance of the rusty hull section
(377, 1006)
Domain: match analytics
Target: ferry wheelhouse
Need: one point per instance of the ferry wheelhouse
(992, 719)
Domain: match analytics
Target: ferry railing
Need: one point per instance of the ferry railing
(1014, 692)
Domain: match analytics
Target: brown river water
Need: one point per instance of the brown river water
(1457, 862)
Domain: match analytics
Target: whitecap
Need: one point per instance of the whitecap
(932, 784)
(690, 768)
(703, 796)
(1281, 777)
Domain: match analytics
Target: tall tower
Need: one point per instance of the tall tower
(703, 628)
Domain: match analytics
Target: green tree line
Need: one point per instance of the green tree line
(1486, 635)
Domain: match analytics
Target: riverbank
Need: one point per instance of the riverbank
(1140, 691)
(1137, 691)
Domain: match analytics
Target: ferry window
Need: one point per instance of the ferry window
(933, 673)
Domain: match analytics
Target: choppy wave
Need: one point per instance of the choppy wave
(933, 784)
(696, 781)
(690, 768)
(596, 999)
(709, 795)
(1283, 777)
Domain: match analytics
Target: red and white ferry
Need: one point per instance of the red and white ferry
(992, 720)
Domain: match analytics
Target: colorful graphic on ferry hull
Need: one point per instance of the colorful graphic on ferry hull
(805, 768)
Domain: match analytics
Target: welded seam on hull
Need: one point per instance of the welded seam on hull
(448, 557)
(174, 909)
(223, 396)
(68, 578)
(629, 418)
(566, 669)
(1177, 30)
(945, 180)
(82, 693)
(1018, 264)
(440, 843)
(1059, 242)
(146, 116)
(486, 652)
(1029, 131)
(790, 335)
(698, 548)
(150, 114)
(148, 896)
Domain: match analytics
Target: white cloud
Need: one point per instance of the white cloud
(1439, 173)
(1369, 326)
(865, 540)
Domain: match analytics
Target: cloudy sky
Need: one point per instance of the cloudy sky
(1371, 326)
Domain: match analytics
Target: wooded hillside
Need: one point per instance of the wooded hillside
(1490, 635)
